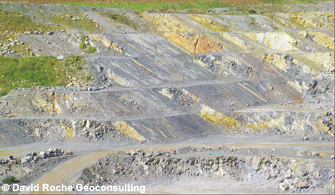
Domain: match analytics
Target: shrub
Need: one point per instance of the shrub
(10, 180)
(90, 50)
(79, 67)
(252, 11)
(82, 45)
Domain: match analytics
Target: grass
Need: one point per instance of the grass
(27, 72)
(281, 2)
(143, 6)
(76, 22)
(176, 5)
(13, 22)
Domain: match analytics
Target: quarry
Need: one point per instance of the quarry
(226, 100)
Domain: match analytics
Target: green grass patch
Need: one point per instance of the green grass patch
(15, 22)
(281, 2)
(28, 72)
(74, 21)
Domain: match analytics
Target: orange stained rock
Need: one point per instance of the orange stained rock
(196, 43)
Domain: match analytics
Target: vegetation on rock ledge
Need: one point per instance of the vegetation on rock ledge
(29, 72)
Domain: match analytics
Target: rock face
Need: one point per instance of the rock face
(255, 73)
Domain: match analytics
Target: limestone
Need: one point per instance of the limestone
(315, 154)
(301, 153)
(61, 57)
(302, 185)
(278, 41)
(43, 154)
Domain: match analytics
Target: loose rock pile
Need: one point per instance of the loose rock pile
(295, 175)
(33, 157)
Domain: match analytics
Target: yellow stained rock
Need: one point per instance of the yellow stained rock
(48, 105)
(209, 23)
(69, 132)
(139, 64)
(128, 130)
(167, 23)
(277, 60)
(237, 41)
(161, 133)
(166, 93)
(312, 19)
(320, 61)
(215, 117)
(323, 39)
(106, 42)
(276, 122)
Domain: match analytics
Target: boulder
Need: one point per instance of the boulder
(43, 154)
(316, 154)
(61, 57)
(37, 158)
(28, 158)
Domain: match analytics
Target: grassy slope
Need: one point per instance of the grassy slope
(26, 72)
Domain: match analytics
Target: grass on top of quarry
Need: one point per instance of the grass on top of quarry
(177, 5)
(27, 72)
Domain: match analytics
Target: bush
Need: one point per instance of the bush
(90, 50)
(10, 180)
(82, 45)
(79, 67)
(114, 16)
(252, 11)
(83, 37)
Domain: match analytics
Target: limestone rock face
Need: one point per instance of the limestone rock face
(279, 41)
